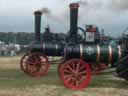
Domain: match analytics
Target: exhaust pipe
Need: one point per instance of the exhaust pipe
(37, 25)
(73, 22)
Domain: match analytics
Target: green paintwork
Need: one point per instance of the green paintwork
(104, 53)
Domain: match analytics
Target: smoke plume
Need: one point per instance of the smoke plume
(62, 15)
(83, 3)
(45, 10)
(120, 5)
(86, 8)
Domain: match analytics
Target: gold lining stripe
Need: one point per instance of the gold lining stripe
(81, 51)
(98, 54)
(110, 54)
(56, 48)
(119, 52)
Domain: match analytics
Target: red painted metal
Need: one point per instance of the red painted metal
(23, 62)
(103, 66)
(75, 74)
(97, 68)
(74, 5)
(34, 64)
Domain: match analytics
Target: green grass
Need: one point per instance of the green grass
(13, 82)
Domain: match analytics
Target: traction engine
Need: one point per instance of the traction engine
(80, 57)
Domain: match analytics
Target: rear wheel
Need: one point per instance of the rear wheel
(34, 64)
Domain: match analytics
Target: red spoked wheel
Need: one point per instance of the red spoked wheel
(75, 74)
(22, 62)
(34, 64)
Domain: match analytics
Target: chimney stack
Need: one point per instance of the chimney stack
(37, 25)
(73, 22)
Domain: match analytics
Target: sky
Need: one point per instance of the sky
(110, 15)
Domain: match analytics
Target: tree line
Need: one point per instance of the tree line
(18, 38)
(24, 38)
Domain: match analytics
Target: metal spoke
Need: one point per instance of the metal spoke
(73, 65)
(81, 68)
(83, 72)
(79, 78)
(77, 68)
(76, 82)
(70, 68)
(67, 71)
(30, 69)
(68, 77)
(33, 69)
(29, 62)
(42, 63)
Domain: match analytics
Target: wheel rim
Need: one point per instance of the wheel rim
(22, 62)
(75, 74)
(35, 64)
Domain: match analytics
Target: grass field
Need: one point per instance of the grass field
(13, 82)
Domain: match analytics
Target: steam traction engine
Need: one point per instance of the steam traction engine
(81, 56)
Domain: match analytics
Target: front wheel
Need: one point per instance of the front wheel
(75, 74)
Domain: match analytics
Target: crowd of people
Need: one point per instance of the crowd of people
(10, 49)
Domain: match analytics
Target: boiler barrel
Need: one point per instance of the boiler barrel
(48, 49)
(89, 53)
(94, 53)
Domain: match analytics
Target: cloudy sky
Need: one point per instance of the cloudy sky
(17, 15)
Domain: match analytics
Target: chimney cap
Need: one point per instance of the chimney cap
(38, 13)
(74, 5)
